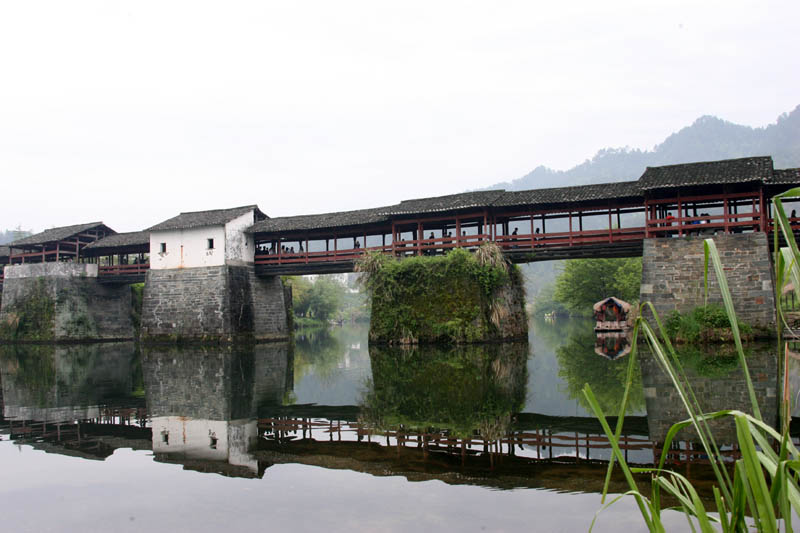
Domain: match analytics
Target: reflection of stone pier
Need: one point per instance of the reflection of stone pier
(65, 383)
(204, 403)
(718, 383)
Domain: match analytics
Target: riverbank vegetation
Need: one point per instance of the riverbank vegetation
(703, 325)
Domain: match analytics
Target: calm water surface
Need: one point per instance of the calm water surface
(330, 435)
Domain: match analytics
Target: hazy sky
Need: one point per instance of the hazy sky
(130, 112)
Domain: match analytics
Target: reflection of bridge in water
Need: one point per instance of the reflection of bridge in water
(222, 411)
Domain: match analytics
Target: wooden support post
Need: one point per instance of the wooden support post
(570, 228)
(726, 214)
(763, 222)
(679, 218)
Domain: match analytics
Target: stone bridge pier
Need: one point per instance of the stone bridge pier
(63, 302)
(673, 268)
(217, 304)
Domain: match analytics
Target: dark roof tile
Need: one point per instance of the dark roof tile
(326, 220)
(199, 219)
(578, 193)
(452, 202)
(707, 173)
(57, 234)
(5, 251)
(119, 241)
(785, 176)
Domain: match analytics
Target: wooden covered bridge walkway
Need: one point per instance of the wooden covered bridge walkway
(599, 220)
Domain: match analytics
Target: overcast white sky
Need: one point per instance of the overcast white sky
(130, 112)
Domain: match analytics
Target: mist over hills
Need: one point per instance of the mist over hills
(709, 138)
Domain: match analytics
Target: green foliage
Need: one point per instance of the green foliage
(703, 324)
(31, 318)
(584, 282)
(466, 390)
(137, 296)
(315, 302)
(434, 299)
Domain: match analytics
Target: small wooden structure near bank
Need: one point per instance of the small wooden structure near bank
(611, 314)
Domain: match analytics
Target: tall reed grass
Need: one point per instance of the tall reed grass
(762, 491)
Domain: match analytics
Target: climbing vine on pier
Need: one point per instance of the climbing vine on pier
(31, 318)
(441, 299)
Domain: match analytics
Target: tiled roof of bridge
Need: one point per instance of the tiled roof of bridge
(121, 240)
(785, 176)
(199, 219)
(577, 193)
(452, 202)
(339, 219)
(58, 234)
(707, 173)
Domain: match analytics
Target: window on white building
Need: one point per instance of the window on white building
(210, 244)
(163, 247)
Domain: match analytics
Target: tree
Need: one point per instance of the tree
(324, 298)
(586, 281)
(301, 287)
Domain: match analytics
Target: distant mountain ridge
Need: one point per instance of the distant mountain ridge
(709, 138)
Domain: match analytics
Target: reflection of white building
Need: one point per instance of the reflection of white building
(227, 443)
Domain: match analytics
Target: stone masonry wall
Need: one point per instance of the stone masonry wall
(83, 309)
(220, 303)
(271, 307)
(188, 303)
(672, 276)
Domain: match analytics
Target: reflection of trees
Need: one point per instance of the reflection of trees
(322, 349)
(709, 362)
(553, 334)
(319, 349)
(462, 389)
(579, 364)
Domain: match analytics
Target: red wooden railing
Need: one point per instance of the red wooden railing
(123, 270)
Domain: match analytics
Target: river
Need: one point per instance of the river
(330, 434)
